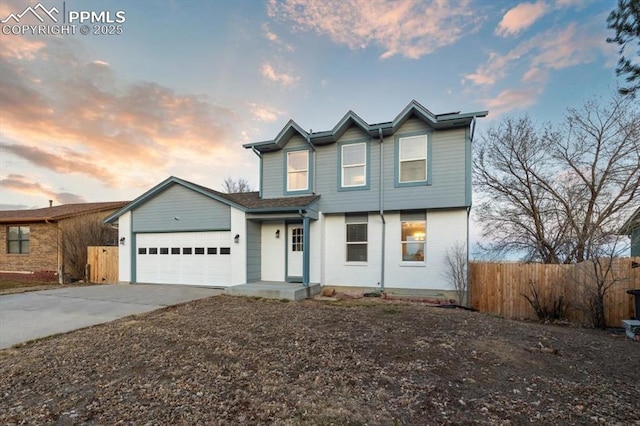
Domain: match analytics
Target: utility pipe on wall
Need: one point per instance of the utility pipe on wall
(313, 149)
(384, 223)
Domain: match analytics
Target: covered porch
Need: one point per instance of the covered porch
(275, 290)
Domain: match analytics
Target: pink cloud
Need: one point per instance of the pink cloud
(407, 28)
(22, 184)
(281, 78)
(69, 115)
(521, 17)
(512, 99)
(262, 112)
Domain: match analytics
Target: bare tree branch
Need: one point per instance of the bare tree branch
(557, 195)
(233, 186)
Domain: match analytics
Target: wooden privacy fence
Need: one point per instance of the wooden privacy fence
(497, 288)
(102, 264)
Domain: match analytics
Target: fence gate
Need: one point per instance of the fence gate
(102, 264)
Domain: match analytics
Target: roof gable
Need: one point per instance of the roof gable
(413, 109)
(245, 201)
(632, 223)
(164, 185)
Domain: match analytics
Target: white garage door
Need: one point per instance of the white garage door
(192, 258)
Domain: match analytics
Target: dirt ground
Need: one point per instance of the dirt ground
(228, 360)
(20, 283)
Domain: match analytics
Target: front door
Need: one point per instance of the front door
(295, 242)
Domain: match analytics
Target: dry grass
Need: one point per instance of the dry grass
(230, 360)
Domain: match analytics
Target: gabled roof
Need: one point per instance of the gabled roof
(245, 201)
(632, 223)
(55, 213)
(414, 109)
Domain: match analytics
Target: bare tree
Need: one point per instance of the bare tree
(594, 279)
(557, 195)
(233, 186)
(77, 234)
(625, 20)
(455, 271)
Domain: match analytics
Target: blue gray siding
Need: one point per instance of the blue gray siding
(195, 212)
(254, 242)
(448, 174)
(328, 176)
(635, 242)
(449, 183)
(273, 167)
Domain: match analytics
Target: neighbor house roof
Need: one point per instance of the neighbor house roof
(56, 213)
(632, 223)
(246, 201)
(414, 109)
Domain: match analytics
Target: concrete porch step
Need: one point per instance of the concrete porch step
(274, 290)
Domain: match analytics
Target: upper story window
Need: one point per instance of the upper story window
(412, 159)
(354, 165)
(298, 170)
(18, 239)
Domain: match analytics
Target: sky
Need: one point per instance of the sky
(177, 87)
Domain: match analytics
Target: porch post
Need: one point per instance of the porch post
(305, 251)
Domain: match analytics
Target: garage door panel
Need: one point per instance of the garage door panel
(196, 265)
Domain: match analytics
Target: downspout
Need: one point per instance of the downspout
(384, 222)
(305, 247)
(59, 251)
(255, 151)
(473, 130)
(308, 139)
(468, 287)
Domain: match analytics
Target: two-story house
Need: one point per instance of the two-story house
(361, 205)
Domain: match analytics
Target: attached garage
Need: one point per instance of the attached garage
(193, 258)
(182, 233)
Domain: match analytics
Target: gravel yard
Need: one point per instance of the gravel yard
(228, 360)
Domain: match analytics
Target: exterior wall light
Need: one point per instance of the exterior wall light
(278, 233)
(236, 239)
(122, 241)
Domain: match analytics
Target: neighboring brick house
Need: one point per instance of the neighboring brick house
(34, 238)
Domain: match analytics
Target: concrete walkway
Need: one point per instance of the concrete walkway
(32, 315)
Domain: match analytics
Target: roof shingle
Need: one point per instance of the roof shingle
(58, 212)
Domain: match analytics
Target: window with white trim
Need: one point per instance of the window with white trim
(354, 164)
(297, 170)
(413, 238)
(412, 159)
(356, 237)
(18, 239)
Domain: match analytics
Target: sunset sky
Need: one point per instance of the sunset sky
(105, 117)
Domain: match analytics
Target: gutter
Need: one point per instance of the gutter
(305, 247)
(308, 139)
(255, 151)
(59, 250)
(384, 222)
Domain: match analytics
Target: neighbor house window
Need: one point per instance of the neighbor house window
(414, 235)
(357, 237)
(354, 164)
(297, 171)
(412, 159)
(18, 239)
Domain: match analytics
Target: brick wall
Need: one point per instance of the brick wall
(43, 250)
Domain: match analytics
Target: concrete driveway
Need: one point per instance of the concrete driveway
(27, 316)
